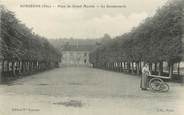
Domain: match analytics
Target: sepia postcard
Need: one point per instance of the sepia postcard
(91, 57)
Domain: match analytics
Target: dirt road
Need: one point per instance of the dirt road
(86, 91)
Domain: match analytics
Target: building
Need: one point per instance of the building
(75, 58)
(76, 51)
(75, 55)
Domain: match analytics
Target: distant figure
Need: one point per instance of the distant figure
(145, 74)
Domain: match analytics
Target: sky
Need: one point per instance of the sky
(83, 22)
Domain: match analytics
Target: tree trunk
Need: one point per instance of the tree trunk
(155, 67)
(132, 67)
(8, 69)
(1, 70)
(124, 66)
(170, 70)
(140, 67)
(137, 66)
(121, 66)
(160, 68)
(128, 65)
(13, 68)
(178, 69)
(150, 67)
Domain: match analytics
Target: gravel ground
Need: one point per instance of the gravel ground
(87, 91)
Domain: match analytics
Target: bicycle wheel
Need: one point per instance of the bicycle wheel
(155, 84)
(164, 87)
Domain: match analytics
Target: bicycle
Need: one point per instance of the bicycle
(157, 84)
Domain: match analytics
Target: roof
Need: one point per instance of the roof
(78, 48)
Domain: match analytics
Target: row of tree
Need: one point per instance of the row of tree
(155, 41)
(21, 49)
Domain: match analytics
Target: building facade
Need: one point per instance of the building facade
(75, 58)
